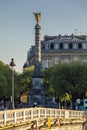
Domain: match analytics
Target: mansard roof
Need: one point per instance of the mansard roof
(64, 38)
(58, 39)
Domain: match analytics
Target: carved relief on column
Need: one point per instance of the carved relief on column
(37, 37)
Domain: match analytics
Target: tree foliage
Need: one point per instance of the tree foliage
(24, 80)
(68, 78)
(5, 80)
(68, 81)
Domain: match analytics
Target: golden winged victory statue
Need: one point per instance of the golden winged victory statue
(37, 17)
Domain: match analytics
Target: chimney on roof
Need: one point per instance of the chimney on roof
(72, 35)
(59, 36)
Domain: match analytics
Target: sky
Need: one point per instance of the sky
(17, 23)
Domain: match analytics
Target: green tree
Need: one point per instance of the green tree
(49, 88)
(68, 78)
(24, 80)
(5, 80)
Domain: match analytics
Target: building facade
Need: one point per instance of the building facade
(60, 49)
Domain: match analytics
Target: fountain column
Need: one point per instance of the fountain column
(37, 94)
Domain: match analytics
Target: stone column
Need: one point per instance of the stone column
(37, 43)
(37, 38)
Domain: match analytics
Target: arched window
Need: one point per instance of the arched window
(61, 45)
(51, 46)
(80, 45)
(70, 46)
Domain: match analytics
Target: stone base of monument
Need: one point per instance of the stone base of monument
(37, 95)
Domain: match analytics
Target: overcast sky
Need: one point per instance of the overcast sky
(17, 24)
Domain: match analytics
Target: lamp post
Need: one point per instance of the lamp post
(12, 64)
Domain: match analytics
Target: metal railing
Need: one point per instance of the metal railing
(18, 115)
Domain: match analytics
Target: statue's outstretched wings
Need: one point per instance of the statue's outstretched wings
(37, 16)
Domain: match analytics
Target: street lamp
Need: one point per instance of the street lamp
(12, 64)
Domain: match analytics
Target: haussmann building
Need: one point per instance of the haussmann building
(60, 49)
